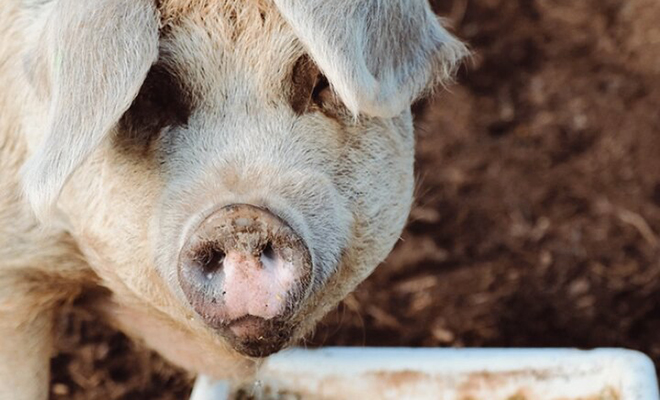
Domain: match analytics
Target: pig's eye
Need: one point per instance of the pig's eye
(309, 88)
(321, 93)
(161, 102)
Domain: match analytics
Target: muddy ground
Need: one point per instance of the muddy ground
(538, 206)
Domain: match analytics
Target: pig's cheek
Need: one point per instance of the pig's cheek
(109, 203)
(387, 196)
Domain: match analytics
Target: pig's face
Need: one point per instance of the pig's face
(262, 128)
(251, 176)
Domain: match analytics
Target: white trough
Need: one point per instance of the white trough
(447, 374)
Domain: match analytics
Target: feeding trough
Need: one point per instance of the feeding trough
(446, 374)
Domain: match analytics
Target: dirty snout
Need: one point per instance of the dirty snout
(245, 271)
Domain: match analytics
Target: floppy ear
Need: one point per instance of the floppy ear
(93, 57)
(379, 55)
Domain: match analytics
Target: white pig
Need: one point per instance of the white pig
(218, 173)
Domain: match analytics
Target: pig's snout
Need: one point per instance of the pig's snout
(244, 271)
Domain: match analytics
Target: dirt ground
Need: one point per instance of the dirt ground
(538, 206)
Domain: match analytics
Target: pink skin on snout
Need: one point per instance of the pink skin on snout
(255, 287)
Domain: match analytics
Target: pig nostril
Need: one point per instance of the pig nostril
(211, 261)
(268, 255)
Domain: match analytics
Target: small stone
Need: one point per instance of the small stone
(443, 335)
(60, 389)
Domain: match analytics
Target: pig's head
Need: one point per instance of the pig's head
(239, 165)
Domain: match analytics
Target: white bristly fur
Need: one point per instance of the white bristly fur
(93, 75)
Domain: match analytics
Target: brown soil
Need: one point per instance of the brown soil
(538, 207)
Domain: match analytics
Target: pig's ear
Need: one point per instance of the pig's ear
(92, 57)
(379, 55)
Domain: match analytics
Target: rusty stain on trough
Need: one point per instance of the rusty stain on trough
(462, 374)
(471, 388)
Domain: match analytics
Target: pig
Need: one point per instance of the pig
(213, 176)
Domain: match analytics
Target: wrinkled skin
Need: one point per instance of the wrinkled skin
(200, 106)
